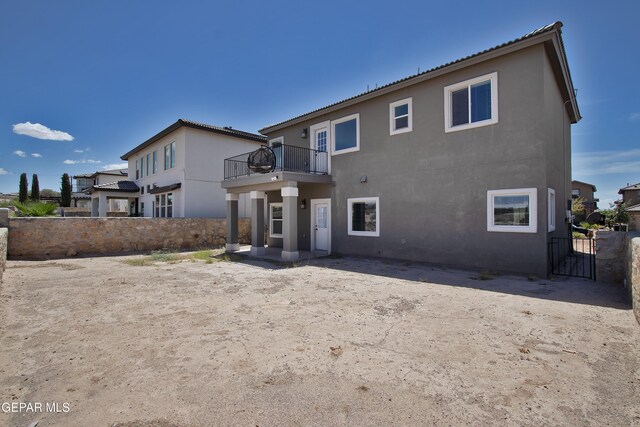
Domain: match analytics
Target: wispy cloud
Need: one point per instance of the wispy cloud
(20, 153)
(4, 171)
(78, 151)
(38, 155)
(634, 117)
(606, 162)
(115, 166)
(81, 162)
(36, 130)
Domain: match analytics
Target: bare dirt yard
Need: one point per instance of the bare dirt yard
(190, 340)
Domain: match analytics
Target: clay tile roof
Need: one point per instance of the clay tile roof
(124, 186)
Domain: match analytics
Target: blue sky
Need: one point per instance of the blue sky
(110, 74)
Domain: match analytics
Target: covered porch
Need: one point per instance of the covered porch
(101, 195)
(290, 215)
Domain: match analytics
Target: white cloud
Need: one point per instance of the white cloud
(20, 153)
(36, 130)
(634, 117)
(4, 172)
(78, 151)
(80, 162)
(38, 155)
(115, 166)
(606, 162)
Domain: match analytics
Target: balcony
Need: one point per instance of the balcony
(288, 158)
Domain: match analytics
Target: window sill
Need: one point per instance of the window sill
(345, 151)
(471, 125)
(400, 131)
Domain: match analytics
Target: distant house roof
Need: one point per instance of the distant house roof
(124, 186)
(630, 187)
(117, 172)
(585, 183)
(547, 34)
(227, 130)
(635, 208)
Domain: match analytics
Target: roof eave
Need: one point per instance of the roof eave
(548, 36)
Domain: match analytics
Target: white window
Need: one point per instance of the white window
(141, 208)
(164, 205)
(345, 134)
(363, 216)
(148, 163)
(137, 169)
(170, 156)
(575, 192)
(512, 210)
(142, 167)
(551, 206)
(471, 103)
(401, 116)
(275, 220)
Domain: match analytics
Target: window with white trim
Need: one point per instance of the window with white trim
(363, 216)
(512, 210)
(345, 134)
(142, 167)
(275, 220)
(575, 192)
(471, 103)
(164, 205)
(401, 116)
(551, 206)
(137, 169)
(148, 163)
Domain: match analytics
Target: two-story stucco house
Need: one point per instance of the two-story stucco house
(177, 172)
(85, 181)
(466, 164)
(630, 194)
(586, 192)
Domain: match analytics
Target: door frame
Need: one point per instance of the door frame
(312, 140)
(312, 206)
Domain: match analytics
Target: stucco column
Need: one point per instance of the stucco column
(232, 223)
(102, 205)
(289, 223)
(94, 206)
(257, 223)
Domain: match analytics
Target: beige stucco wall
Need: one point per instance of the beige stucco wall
(41, 238)
(634, 221)
(610, 256)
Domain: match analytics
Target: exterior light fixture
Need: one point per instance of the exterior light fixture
(303, 204)
(303, 135)
(363, 179)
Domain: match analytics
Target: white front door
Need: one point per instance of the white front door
(321, 225)
(320, 141)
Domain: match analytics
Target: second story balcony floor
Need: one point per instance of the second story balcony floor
(279, 158)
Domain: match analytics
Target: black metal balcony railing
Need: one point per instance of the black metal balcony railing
(289, 158)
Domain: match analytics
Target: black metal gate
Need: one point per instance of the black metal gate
(573, 257)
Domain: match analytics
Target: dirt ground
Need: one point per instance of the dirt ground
(127, 342)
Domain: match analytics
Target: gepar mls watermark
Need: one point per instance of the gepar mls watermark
(35, 407)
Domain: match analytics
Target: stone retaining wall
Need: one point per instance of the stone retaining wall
(610, 250)
(632, 268)
(4, 233)
(51, 237)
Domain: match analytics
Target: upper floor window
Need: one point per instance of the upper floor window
(575, 192)
(170, 156)
(142, 167)
(155, 162)
(512, 210)
(401, 116)
(345, 134)
(137, 169)
(471, 103)
(148, 163)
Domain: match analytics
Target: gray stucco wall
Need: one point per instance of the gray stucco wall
(433, 185)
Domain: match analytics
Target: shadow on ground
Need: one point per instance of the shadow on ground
(557, 288)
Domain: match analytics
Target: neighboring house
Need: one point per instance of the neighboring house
(586, 191)
(84, 182)
(178, 171)
(630, 194)
(466, 164)
(634, 217)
